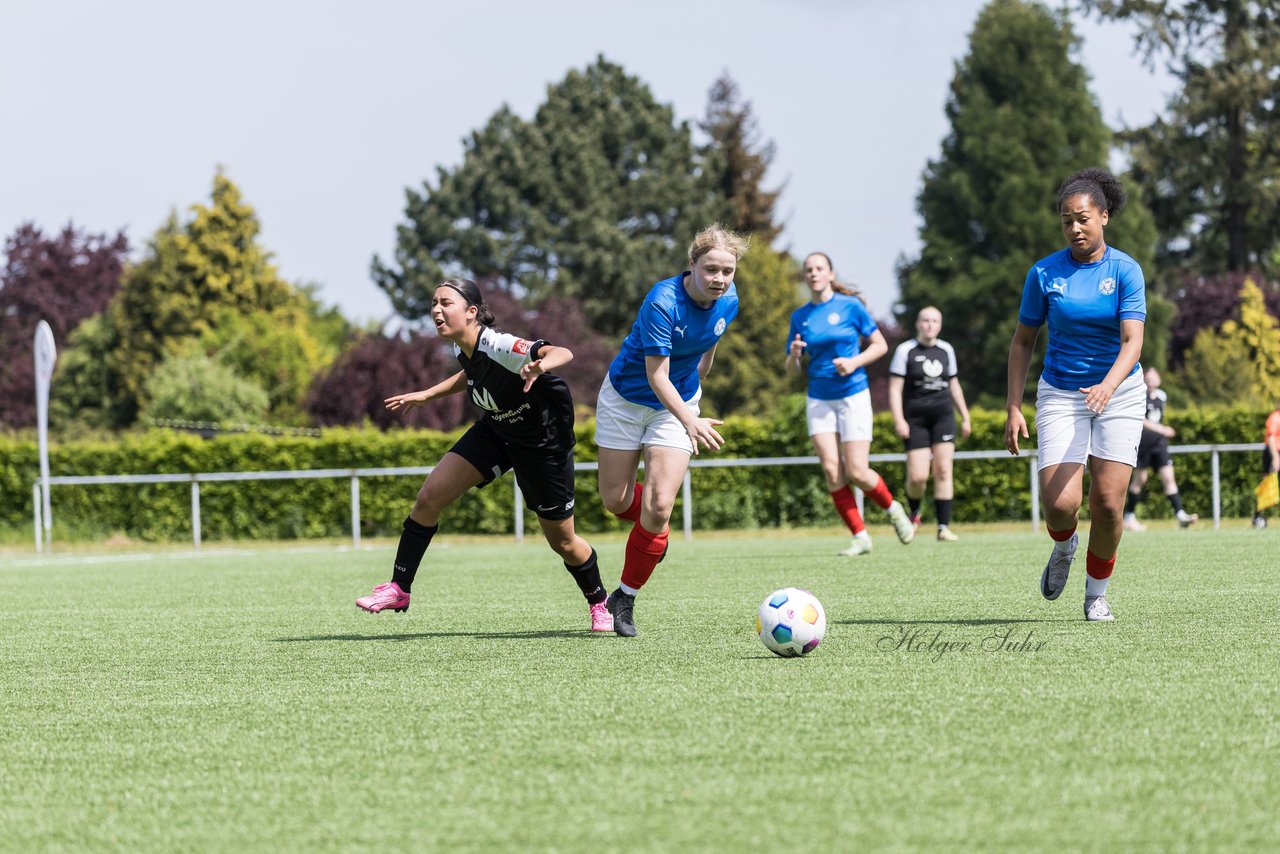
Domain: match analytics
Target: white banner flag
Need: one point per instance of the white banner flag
(46, 355)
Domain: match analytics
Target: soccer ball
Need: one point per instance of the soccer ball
(791, 622)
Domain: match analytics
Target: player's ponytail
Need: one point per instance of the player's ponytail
(470, 292)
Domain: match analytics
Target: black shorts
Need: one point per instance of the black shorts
(545, 476)
(930, 426)
(1153, 451)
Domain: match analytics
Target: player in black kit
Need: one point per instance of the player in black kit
(1153, 453)
(526, 425)
(923, 396)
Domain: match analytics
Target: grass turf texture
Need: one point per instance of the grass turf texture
(242, 701)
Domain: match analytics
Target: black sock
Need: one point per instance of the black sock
(914, 505)
(413, 545)
(1175, 501)
(587, 577)
(942, 506)
(1131, 502)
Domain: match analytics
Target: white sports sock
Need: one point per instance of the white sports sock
(1062, 546)
(627, 590)
(1094, 587)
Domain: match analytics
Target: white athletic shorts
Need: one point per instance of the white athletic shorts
(625, 426)
(850, 417)
(1067, 432)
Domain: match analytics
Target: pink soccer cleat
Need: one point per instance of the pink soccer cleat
(601, 619)
(385, 596)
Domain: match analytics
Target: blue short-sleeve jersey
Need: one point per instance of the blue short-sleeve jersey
(1083, 305)
(832, 330)
(670, 324)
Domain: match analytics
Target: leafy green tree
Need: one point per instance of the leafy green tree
(1238, 363)
(737, 161)
(198, 388)
(1022, 119)
(749, 376)
(595, 199)
(208, 286)
(1211, 166)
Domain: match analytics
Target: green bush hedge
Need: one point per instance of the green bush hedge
(755, 497)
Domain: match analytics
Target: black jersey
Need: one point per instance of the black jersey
(541, 418)
(926, 371)
(1155, 407)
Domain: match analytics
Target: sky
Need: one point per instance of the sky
(325, 112)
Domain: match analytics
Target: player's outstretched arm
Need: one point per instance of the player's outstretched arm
(404, 402)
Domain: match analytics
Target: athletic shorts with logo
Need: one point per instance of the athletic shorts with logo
(545, 476)
(931, 423)
(1067, 432)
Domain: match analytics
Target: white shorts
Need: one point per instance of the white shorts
(850, 417)
(625, 426)
(1067, 432)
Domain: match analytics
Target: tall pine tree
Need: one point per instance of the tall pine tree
(1022, 119)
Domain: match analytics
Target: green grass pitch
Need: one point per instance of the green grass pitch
(239, 700)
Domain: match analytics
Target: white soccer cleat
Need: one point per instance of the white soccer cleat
(902, 523)
(1096, 609)
(859, 546)
(946, 535)
(1131, 523)
(1186, 520)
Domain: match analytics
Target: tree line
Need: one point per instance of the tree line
(567, 217)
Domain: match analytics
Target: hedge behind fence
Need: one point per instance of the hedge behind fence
(755, 497)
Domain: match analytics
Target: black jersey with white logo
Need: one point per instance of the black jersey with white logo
(540, 418)
(926, 371)
(1155, 407)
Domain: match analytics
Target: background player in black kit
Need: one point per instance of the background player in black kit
(527, 426)
(923, 396)
(1153, 453)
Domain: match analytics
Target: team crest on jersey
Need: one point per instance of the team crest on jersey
(521, 346)
(1107, 286)
(720, 325)
(833, 318)
(932, 368)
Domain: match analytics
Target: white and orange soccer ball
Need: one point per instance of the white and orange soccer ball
(791, 622)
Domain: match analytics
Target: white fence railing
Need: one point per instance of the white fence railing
(44, 526)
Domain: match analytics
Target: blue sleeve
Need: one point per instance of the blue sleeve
(1034, 306)
(1133, 294)
(655, 329)
(863, 322)
(792, 331)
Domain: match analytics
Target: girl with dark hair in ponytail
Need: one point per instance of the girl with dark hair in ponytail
(526, 426)
(1091, 399)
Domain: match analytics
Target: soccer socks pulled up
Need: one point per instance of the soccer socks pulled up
(943, 508)
(1099, 573)
(1175, 501)
(644, 550)
(913, 506)
(1061, 539)
(881, 495)
(414, 540)
(632, 513)
(1131, 501)
(587, 577)
(847, 506)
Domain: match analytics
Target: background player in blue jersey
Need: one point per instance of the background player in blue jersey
(829, 330)
(526, 425)
(648, 404)
(1090, 400)
(1153, 453)
(924, 394)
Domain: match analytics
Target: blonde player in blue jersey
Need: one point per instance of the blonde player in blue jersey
(649, 404)
(1091, 398)
(829, 330)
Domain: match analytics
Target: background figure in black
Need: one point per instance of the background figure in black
(1153, 453)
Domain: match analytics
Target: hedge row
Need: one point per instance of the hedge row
(756, 497)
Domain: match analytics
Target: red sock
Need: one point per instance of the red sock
(847, 507)
(1061, 536)
(644, 550)
(632, 513)
(1097, 567)
(881, 495)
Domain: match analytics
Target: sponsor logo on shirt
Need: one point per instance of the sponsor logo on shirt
(932, 368)
(720, 326)
(1107, 286)
(681, 329)
(521, 346)
(1059, 285)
